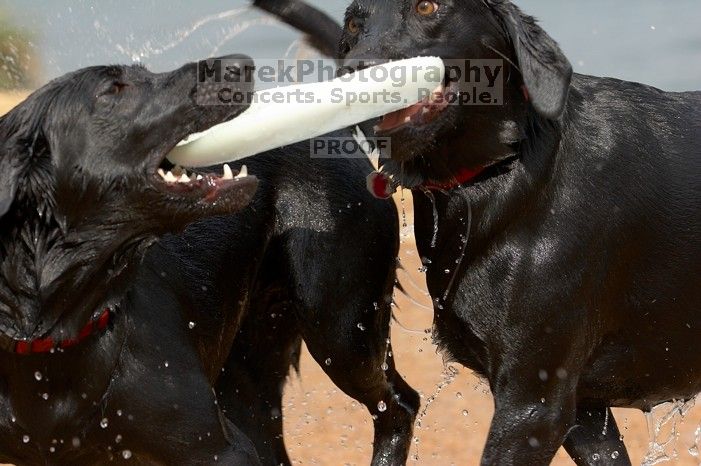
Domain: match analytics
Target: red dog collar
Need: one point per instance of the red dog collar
(380, 185)
(47, 345)
(465, 175)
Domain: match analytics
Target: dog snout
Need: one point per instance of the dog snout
(240, 68)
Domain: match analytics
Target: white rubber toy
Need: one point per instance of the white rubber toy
(265, 126)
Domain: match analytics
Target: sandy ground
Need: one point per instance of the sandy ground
(325, 427)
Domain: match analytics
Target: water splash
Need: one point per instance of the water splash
(694, 450)
(241, 27)
(149, 49)
(449, 374)
(182, 34)
(458, 262)
(432, 198)
(606, 423)
(662, 446)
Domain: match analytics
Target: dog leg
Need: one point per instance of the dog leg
(357, 360)
(250, 388)
(527, 432)
(176, 418)
(595, 439)
(534, 399)
(343, 285)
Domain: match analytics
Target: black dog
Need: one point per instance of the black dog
(566, 262)
(97, 361)
(114, 343)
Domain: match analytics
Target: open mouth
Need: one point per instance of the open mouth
(204, 186)
(420, 114)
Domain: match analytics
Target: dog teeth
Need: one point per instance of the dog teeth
(228, 174)
(243, 173)
(184, 178)
(170, 178)
(200, 177)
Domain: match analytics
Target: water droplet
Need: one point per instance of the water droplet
(384, 366)
(328, 361)
(615, 455)
(52, 449)
(447, 271)
(75, 441)
(464, 412)
(126, 454)
(104, 423)
(423, 269)
(561, 373)
(25, 438)
(118, 438)
(382, 406)
(45, 396)
(595, 457)
(166, 364)
(533, 442)
(119, 412)
(38, 376)
(361, 326)
(543, 375)
(458, 395)
(191, 325)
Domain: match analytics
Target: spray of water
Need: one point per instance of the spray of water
(663, 428)
(235, 25)
(449, 375)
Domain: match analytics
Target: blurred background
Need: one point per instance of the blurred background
(657, 42)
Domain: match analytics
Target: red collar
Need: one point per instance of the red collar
(48, 345)
(463, 176)
(380, 185)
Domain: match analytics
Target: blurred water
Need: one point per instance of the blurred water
(653, 41)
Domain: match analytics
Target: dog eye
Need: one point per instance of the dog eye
(353, 27)
(426, 8)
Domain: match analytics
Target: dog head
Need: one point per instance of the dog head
(80, 190)
(534, 73)
(90, 144)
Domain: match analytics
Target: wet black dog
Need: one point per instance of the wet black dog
(566, 263)
(97, 361)
(118, 345)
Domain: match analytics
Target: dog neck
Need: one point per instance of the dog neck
(500, 193)
(53, 278)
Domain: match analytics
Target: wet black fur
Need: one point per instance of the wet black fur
(210, 307)
(579, 287)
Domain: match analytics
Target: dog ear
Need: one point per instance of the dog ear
(545, 70)
(21, 141)
(9, 172)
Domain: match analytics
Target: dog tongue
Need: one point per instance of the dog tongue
(400, 117)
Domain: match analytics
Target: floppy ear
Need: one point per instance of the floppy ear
(21, 141)
(545, 70)
(9, 173)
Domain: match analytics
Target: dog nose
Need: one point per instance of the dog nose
(239, 65)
